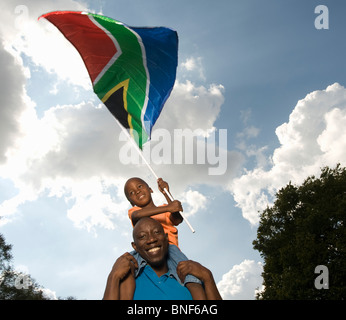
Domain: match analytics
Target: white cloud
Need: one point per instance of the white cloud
(22, 33)
(195, 201)
(49, 294)
(332, 140)
(249, 132)
(194, 65)
(189, 64)
(23, 270)
(96, 206)
(72, 151)
(191, 106)
(242, 282)
(245, 115)
(314, 137)
(12, 105)
(195, 108)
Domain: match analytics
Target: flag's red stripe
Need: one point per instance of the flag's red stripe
(96, 49)
(57, 13)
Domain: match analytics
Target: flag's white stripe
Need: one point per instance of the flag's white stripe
(148, 78)
(116, 44)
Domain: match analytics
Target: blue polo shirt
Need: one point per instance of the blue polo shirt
(151, 287)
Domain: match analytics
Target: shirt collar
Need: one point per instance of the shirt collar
(142, 263)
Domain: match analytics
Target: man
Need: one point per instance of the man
(154, 281)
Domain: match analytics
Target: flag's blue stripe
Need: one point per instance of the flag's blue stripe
(161, 46)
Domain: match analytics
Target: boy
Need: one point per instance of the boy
(138, 193)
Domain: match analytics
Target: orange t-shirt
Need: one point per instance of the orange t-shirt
(166, 223)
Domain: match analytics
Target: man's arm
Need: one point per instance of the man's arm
(202, 273)
(122, 268)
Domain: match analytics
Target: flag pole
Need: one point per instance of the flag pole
(151, 169)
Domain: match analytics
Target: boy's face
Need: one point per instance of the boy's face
(138, 192)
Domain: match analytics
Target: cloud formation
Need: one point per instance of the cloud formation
(242, 281)
(313, 137)
(39, 40)
(72, 151)
(12, 101)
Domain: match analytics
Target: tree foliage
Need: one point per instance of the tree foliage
(303, 229)
(15, 285)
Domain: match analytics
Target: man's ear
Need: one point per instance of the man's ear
(151, 190)
(134, 246)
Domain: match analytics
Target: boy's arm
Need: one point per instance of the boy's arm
(174, 206)
(162, 185)
(175, 217)
(146, 212)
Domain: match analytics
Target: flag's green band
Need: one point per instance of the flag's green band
(130, 70)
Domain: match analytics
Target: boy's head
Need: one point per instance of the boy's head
(138, 192)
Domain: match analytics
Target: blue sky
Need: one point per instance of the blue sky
(259, 69)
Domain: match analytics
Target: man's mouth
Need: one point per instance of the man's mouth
(141, 196)
(154, 250)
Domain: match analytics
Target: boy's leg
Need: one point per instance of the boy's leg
(197, 291)
(174, 257)
(127, 287)
(193, 284)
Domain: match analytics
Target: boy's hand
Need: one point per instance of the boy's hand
(194, 268)
(162, 185)
(174, 206)
(123, 265)
(203, 274)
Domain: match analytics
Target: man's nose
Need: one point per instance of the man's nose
(151, 239)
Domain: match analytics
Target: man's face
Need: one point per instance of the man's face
(150, 241)
(138, 192)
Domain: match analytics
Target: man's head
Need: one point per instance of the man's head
(138, 192)
(151, 242)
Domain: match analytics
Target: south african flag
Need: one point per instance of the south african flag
(132, 69)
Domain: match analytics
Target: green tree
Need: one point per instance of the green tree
(15, 285)
(303, 229)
